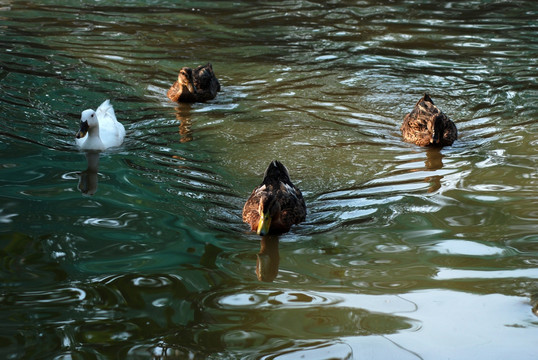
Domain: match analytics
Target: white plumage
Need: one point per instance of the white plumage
(100, 129)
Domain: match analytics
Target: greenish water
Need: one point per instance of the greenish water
(406, 252)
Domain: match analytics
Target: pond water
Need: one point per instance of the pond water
(140, 252)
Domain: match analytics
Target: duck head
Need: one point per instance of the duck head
(186, 78)
(88, 122)
(269, 210)
(436, 128)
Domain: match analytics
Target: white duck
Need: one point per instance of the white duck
(99, 129)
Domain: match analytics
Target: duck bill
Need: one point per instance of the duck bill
(191, 88)
(435, 138)
(83, 129)
(264, 224)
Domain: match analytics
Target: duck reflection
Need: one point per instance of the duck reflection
(434, 161)
(268, 259)
(210, 255)
(534, 303)
(87, 182)
(183, 114)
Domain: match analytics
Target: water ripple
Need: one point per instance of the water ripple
(122, 221)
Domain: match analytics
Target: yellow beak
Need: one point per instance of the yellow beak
(191, 87)
(264, 224)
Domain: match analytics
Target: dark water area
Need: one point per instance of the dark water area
(139, 252)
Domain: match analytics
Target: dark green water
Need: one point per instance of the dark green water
(406, 253)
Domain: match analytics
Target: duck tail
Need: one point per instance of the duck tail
(104, 109)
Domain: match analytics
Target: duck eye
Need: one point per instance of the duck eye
(92, 115)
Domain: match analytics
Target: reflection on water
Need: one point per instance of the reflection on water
(434, 162)
(534, 303)
(400, 243)
(88, 178)
(183, 115)
(434, 159)
(267, 259)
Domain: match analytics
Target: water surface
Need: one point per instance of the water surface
(141, 253)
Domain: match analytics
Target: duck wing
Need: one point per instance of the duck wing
(292, 205)
(450, 132)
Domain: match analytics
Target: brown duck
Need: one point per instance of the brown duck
(199, 84)
(427, 125)
(275, 205)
